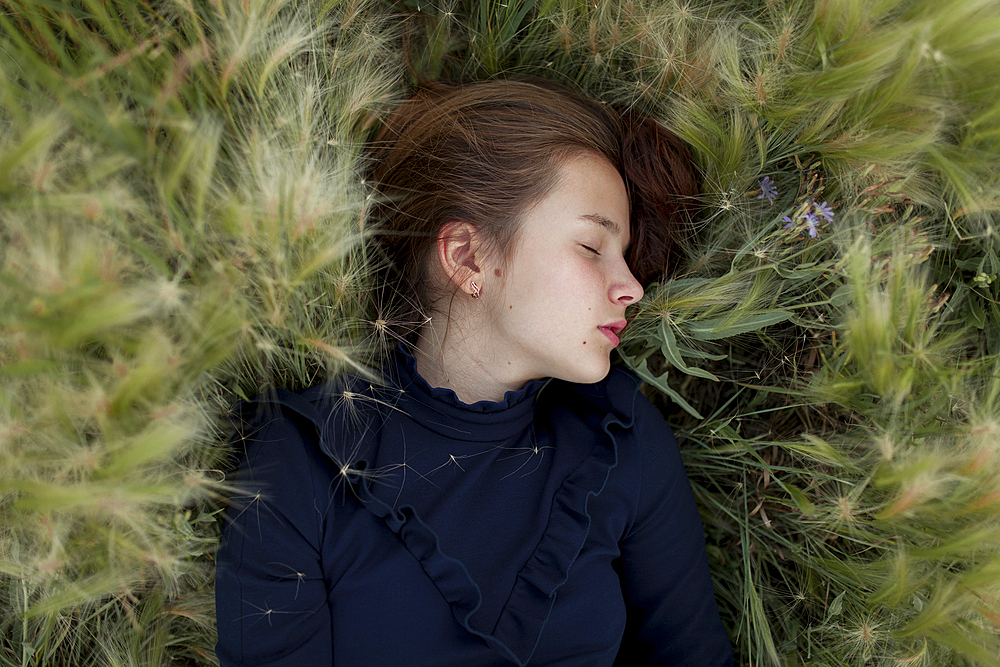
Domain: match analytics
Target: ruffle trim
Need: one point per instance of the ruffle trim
(517, 631)
(407, 369)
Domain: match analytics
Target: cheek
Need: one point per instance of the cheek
(575, 271)
(532, 280)
(553, 285)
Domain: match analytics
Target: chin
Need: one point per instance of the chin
(588, 373)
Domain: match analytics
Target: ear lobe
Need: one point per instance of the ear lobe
(458, 243)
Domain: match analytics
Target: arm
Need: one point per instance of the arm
(672, 616)
(271, 596)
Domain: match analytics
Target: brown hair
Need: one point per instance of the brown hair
(663, 188)
(485, 152)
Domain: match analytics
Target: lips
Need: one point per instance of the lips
(612, 330)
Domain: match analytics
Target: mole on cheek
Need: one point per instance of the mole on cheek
(584, 342)
(512, 307)
(497, 273)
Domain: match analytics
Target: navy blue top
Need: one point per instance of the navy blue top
(396, 525)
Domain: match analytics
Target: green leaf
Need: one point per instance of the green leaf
(660, 382)
(724, 327)
(801, 501)
(842, 296)
(673, 355)
(698, 354)
(837, 606)
(976, 313)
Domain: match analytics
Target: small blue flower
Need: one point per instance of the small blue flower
(824, 210)
(768, 190)
(811, 222)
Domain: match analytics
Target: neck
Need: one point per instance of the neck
(456, 358)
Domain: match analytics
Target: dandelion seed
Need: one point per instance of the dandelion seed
(768, 190)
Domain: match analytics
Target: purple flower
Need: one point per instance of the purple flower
(824, 210)
(811, 222)
(768, 190)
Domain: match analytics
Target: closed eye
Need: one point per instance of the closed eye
(587, 247)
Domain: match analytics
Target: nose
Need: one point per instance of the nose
(626, 289)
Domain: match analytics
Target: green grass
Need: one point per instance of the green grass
(180, 224)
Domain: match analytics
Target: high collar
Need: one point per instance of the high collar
(440, 410)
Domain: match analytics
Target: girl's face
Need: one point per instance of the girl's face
(559, 302)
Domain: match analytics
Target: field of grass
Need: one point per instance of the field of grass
(181, 220)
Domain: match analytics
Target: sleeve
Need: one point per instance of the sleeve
(271, 595)
(672, 616)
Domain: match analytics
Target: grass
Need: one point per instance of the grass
(181, 220)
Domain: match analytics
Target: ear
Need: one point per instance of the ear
(460, 251)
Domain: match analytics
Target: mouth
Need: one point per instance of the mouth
(612, 330)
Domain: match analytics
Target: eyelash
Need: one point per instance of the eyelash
(587, 247)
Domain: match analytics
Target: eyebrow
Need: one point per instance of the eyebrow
(599, 219)
(605, 222)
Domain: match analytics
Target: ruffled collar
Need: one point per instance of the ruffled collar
(440, 409)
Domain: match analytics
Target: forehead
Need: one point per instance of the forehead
(590, 188)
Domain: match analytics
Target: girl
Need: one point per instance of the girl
(498, 497)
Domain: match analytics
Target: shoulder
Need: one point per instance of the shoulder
(270, 409)
(311, 410)
(281, 469)
(276, 437)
